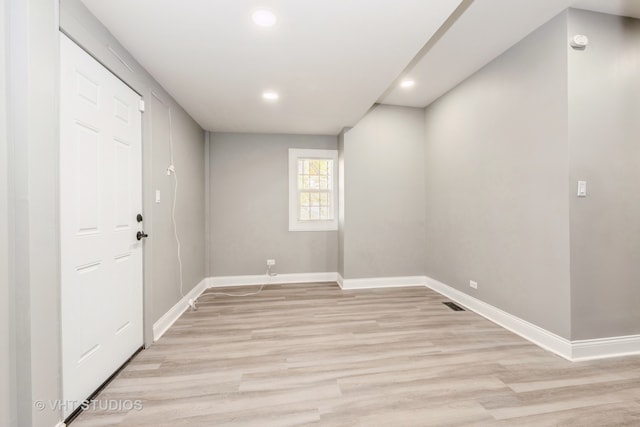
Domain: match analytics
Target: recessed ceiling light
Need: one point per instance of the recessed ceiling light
(270, 95)
(407, 83)
(264, 18)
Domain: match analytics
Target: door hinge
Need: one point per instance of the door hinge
(141, 105)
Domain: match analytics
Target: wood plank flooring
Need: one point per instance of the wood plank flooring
(315, 355)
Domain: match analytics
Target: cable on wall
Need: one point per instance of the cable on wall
(248, 294)
(171, 170)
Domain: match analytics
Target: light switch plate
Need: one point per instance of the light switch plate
(157, 196)
(582, 188)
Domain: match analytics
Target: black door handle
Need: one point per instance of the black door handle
(141, 235)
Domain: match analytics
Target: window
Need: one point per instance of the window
(313, 198)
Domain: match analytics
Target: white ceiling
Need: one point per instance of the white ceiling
(330, 60)
(629, 8)
(484, 31)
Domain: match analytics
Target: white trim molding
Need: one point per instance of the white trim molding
(580, 350)
(168, 319)
(279, 279)
(575, 351)
(601, 348)
(529, 331)
(383, 282)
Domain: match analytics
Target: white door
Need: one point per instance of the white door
(100, 197)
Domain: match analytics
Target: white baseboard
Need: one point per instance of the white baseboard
(169, 318)
(259, 279)
(61, 424)
(574, 351)
(526, 330)
(571, 350)
(605, 347)
(383, 282)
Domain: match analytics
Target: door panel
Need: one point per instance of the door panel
(100, 196)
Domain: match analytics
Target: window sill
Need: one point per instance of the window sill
(314, 227)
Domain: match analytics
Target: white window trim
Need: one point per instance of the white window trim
(294, 223)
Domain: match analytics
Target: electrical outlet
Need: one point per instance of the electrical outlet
(271, 262)
(473, 284)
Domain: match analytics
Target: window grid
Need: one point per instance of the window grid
(315, 184)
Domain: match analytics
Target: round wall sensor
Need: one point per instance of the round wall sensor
(579, 41)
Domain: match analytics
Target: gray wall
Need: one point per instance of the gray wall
(7, 381)
(249, 193)
(161, 266)
(384, 211)
(33, 210)
(33, 220)
(188, 143)
(604, 135)
(496, 182)
(341, 202)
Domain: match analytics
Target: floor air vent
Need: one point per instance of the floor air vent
(453, 306)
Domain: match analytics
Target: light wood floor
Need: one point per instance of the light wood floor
(315, 355)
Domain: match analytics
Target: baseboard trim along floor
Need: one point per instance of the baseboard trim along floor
(278, 279)
(603, 348)
(383, 282)
(575, 351)
(168, 319)
(580, 350)
(535, 334)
